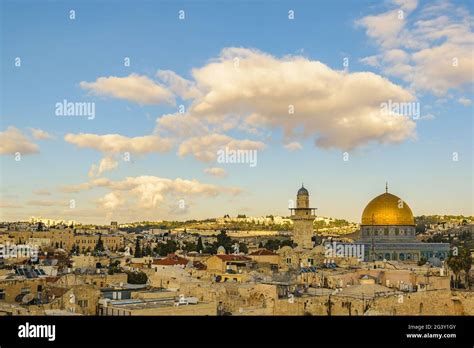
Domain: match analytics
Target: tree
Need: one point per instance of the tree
(224, 240)
(189, 246)
(199, 246)
(210, 248)
(114, 267)
(164, 249)
(148, 250)
(243, 248)
(138, 252)
(99, 247)
(272, 244)
(40, 226)
(75, 249)
(454, 262)
(466, 264)
(137, 278)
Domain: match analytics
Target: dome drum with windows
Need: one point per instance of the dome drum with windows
(387, 217)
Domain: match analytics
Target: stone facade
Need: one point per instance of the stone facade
(303, 218)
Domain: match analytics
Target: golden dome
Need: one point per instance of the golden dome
(387, 209)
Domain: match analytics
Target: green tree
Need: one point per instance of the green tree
(199, 246)
(454, 262)
(164, 249)
(99, 246)
(137, 278)
(243, 248)
(75, 249)
(189, 246)
(138, 252)
(224, 240)
(466, 264)
(114, 267)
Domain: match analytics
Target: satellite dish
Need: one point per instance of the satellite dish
(27, 298)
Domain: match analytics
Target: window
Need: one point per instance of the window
(25, 290)
(311, 262)
(83, 303)
(385, 231)
(2, 294)
(288, 260)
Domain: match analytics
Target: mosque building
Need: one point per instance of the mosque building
(387, 232)
(303, 217)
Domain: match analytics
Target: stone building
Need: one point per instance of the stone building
(387, 232)
(303, 217)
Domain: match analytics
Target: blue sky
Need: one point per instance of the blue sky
(58, 53)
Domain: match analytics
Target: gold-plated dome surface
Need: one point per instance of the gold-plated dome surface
(387, 209)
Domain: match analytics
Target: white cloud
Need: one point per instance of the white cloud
(12, 140)
(465, 101)
(371, 61)
(106, 164)
(293, 146)
(40, 134)
(338, 109)
(216, 171)
(430, 49)
(115, 143)
(205, 148)
(384, 28)
(135, 88)
(178, 85)
(112, 200)
(180, 125)
(148, 192)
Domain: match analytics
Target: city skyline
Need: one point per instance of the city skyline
(304, 88)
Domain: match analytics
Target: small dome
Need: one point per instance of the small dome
(303, 192)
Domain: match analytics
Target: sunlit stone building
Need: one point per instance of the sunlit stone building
(303, 217)
(387, 232)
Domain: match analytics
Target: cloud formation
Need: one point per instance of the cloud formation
(149, 192)
(135, 88)
(303, 97)
(106, 164)
(116, 143)
(40, 134)
(293, 146)
(12, 140)
(205, 148)
(216, 172)
(430, 48)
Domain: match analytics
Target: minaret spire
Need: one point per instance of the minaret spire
(386, 187)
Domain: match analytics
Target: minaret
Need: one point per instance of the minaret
(303, 218)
